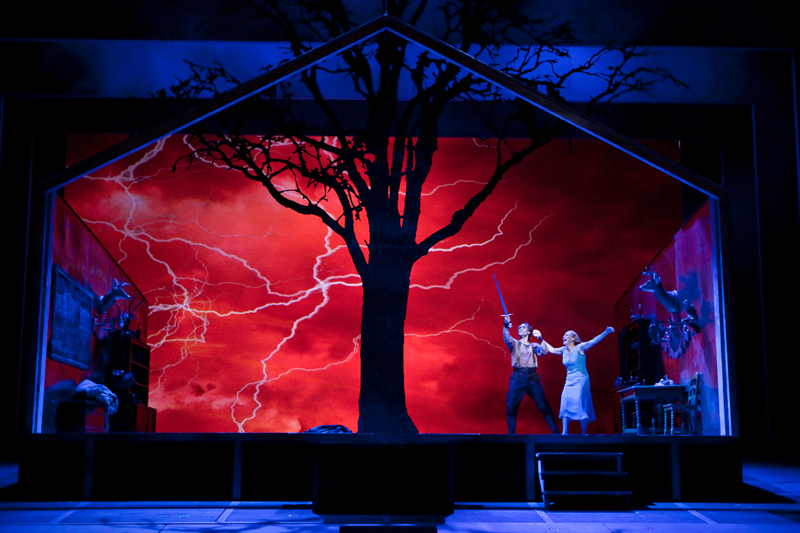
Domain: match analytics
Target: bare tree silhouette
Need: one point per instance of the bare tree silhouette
(375, 172)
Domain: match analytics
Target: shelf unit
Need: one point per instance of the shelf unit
(139, 367)
(639, 362)
(129, 354)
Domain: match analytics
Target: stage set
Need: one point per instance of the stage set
(212, 422)
(198, 340)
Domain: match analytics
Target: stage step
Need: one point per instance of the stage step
(570, 480)
(586, 480)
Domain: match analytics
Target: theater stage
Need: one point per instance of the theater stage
(329, 469)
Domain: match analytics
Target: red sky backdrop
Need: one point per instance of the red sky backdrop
(255, 311)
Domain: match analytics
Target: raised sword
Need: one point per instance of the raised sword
(503, 302)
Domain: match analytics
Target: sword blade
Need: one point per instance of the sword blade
(503, 302)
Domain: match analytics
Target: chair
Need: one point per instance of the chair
(691, 422)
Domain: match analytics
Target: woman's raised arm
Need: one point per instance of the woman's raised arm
(582, 347)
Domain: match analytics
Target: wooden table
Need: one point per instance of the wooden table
(638, 398)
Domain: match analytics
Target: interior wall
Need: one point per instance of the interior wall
(82, 257)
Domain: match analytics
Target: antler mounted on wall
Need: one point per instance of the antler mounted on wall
(675, 337)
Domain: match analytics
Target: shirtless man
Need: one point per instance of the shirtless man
(524, 377)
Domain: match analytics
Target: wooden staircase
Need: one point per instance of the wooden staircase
(582, 480)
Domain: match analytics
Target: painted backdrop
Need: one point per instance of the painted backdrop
(255, 310)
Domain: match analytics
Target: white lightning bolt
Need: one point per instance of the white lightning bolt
(499, 232)
(324, 285)
(455, 329)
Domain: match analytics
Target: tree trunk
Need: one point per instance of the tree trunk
(382, 403)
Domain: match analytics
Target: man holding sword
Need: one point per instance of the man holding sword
(524, 377)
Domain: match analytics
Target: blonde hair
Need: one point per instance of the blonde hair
(577, 338)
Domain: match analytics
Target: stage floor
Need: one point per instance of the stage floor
(769, 503)
(290, 467)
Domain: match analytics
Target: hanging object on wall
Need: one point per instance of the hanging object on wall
(71, 336)
(675, 336)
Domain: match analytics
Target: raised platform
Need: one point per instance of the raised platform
(330, 469)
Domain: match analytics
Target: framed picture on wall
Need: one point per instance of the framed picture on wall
(71, 321)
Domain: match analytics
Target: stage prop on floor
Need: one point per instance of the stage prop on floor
(687, 410)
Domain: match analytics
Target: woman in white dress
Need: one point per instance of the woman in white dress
(576, 399)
